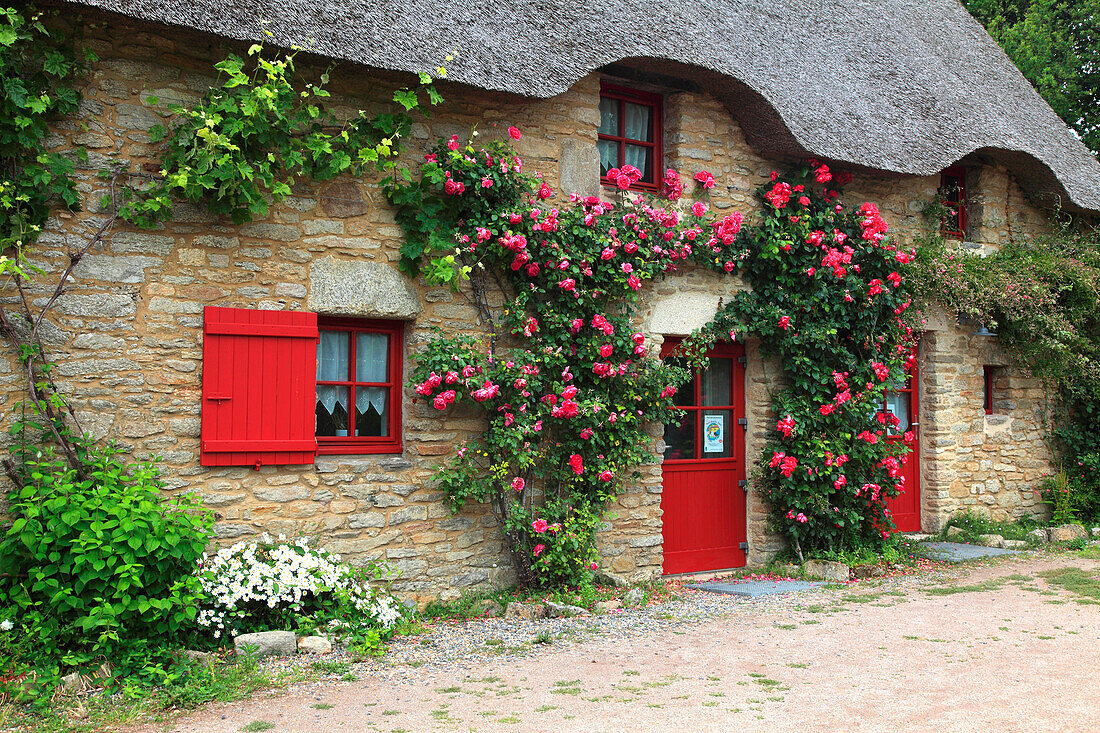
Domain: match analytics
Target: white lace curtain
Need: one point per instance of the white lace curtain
(371, 357)
(637, 127)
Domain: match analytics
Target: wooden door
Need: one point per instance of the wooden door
(703, 500)
(904, 404)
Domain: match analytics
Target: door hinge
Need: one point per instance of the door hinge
(742, 361)
(744, 546)
(744, 484)
(743, 422)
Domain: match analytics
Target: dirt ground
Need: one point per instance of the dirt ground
(1006, 651)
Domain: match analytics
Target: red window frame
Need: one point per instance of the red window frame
(654, 101)
(988, 376)
(958, 173)
(353, 444)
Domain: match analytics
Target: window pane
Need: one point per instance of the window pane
(371, 357)
(332, 410)
(680, 437)
(371, 413)
(641, 158)
(952, 188)
(332, 356)
(716, 382)
(609, 155)
(715, 436)
(639, 122)
(898, 404)
(609, 116)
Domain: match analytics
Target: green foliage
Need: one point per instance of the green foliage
(36, 72)
(1039, 295)
(1055, 43)
(263, 128)
(827, 300)
(99, 565)
(1066, 496)
(973, 525)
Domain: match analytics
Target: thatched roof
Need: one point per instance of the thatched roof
(895, 85)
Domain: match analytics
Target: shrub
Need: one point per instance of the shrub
(98, 562)
(266, 585)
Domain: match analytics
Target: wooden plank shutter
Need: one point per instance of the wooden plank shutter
(259, 371)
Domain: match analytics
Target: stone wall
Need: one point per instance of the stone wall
(130, 327)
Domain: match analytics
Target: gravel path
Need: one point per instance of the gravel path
(1009, 653)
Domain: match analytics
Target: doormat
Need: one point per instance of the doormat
(959, 552)
(756, 588)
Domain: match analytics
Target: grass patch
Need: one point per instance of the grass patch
(327, 667)
(566, 687)
(950, 590)
(257, 725)
(322, 706)
(1081, 583)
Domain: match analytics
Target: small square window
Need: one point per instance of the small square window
(953, 200)
(358, 386)
(630, 134)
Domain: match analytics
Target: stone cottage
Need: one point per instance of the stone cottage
(167, 335)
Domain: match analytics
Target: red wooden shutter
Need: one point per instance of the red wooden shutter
(259, 371)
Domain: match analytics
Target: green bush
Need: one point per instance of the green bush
(99, 563)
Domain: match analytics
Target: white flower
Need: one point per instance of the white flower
(6, 625)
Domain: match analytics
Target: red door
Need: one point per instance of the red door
(903, 403)
(703, 500)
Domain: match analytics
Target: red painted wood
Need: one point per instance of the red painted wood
(257, 384)
(703, 505)
(906, 507)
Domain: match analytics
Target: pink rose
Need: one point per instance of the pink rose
(486, 182)
(698, 208)
(606, 476)
(606, 350)
(539, 548)
(452, 144)
(518, 483)
(544, 192)
(576, 463)
(514, 132)
(568, 284)
(539, 525)
(785, 322)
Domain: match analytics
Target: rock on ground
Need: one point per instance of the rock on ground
(634, 597)
(1068, 533)
(525, 610)
(991, 540)
(314, 645)
(563, 610)
(835, 572)
(266, 644)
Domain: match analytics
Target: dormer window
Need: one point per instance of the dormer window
(953, 200)
(630, 134)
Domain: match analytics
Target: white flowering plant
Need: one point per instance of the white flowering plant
(264, 585)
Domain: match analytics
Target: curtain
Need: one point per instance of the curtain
(638, 156)
(372, 357)
(332, 356)
(638, 122)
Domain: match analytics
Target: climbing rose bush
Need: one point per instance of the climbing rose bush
(828, 302)
(566, 382)
(265, 585)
